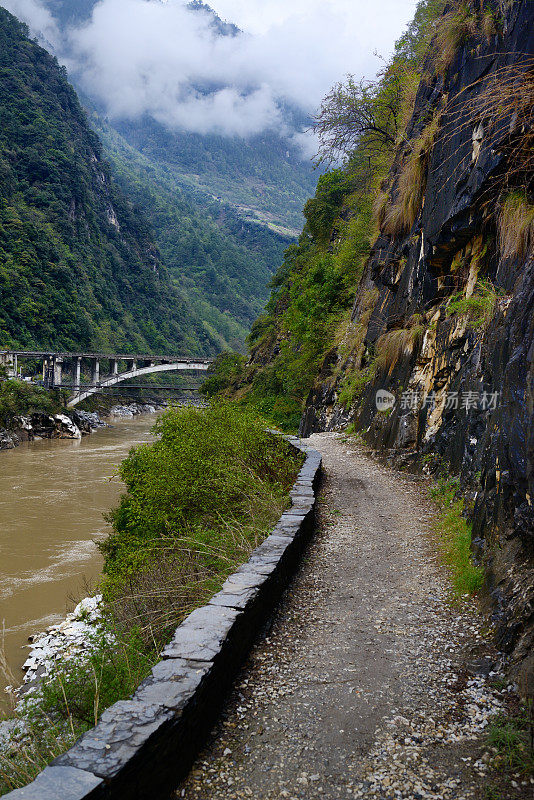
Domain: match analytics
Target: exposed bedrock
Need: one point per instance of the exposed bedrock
(39, 425)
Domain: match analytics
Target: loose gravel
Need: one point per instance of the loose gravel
(373, 681)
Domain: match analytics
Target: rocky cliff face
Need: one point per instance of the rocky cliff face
(443, 318)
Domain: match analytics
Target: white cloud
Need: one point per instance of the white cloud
(160, 58)
(383, 26)
(37, 17)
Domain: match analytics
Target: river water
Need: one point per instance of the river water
(53, 495)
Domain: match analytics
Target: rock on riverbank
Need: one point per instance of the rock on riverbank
(68, 639)
(126, 410)
(27, 428)
(133, 409)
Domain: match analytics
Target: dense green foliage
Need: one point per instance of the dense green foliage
(78, 267)
(312, 293)
(198, 500)
(220, 262)
(222, 373)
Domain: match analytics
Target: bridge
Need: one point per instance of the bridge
(55, 364)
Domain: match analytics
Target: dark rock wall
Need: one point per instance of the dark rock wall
(453, 242)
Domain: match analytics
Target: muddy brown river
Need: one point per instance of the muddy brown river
(53, 495)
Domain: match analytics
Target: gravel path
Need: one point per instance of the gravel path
(371, 682)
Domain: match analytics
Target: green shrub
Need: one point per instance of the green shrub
(323, 209)
(284, 412)
(198, 500)
(224, 370)
(18, 397)
(479, 308)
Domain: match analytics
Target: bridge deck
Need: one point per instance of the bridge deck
(103, 356)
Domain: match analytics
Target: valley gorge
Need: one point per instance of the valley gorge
(316, 579)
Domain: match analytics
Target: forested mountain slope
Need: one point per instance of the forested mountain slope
(221, 263)
(429, 295)
(79, 268)
(223, 209)
(262, 177)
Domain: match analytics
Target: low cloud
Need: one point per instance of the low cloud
(38, 18)
(138, 57)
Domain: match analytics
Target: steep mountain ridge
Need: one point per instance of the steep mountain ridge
(221, 262)
(443, 313)
(79, 267)
(223, 209)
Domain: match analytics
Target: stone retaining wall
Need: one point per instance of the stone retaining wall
(141, 748)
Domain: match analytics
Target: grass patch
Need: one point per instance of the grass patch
(71, 700)
(354, 384)
(40, 740)
(512, 738)
(457, 26)
(380, 206)
(454, 537)
(453, 31)
(396, 344)
(516, 225)
(399, 217)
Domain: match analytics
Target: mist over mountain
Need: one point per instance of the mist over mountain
(79, 266)
(198, 142)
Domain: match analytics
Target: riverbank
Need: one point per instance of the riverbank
(70, 425)
(53, 497)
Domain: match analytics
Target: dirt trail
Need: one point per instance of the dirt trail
(369, 683)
